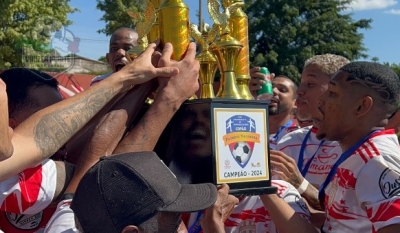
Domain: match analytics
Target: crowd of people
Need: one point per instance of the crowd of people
(85, 164)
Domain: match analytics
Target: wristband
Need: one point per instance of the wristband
(302, 188)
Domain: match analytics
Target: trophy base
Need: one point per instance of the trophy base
(253, 191)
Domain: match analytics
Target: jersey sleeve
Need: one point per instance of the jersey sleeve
(31, 191)
(378, 191)
(63, 220)
(290, 194)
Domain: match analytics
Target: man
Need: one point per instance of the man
(42, 134)
(282, 104)
(150, 199)
(361, 193)
(6, 148)
(301, 158)
(121, 41)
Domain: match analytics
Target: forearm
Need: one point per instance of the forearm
(42, 134)
(311, 195)
(284, 217)
(103, 141)
(144, 136)
(6, 148)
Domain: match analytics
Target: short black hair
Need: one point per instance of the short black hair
(18, 83)
(379, 78)
(294, 88)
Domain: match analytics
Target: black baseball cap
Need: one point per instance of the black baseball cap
(128, 189)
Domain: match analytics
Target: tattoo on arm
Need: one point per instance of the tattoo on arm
(55, 129)
(311, 195)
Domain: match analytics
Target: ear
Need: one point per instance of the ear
(130, 229)
(364, 105)
(13, 123)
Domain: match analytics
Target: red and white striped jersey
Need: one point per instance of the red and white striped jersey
(326, 153)
(364, 194)
(24, 197)
(282, 131)
(250, 215)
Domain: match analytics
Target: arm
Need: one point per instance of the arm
(6, 148)
(286, 169)
(284, 216)
(172, 93)
(103, 141)
(216, 215)
(41, 135)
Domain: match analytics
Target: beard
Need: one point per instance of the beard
(273, 111)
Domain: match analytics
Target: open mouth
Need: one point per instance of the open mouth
(300, 102)
(119, 66)
(198, 135)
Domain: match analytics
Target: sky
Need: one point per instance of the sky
(382, 40)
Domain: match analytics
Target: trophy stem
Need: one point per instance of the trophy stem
(228, 88)
(242, 82)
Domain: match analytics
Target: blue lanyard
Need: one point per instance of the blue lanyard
(345, 155)
(280, 129)
(301, 154)
(196, 227)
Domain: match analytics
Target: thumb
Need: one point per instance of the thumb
(166, 71)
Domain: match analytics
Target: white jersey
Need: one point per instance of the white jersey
(324, 154)
(100, 78)
(63, 219)
(290, 126)
(250, 215)
(364, 194)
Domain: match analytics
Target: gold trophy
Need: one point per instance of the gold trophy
(144, 22)
(154, 33)
(208, 62)
(173, 17)
(239, 27)
(226, 49)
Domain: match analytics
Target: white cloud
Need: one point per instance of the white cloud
(359, 5)
(393, 12)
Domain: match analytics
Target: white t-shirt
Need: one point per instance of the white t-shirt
(326, 154)
(63, 219)
(364, 194)
(250, 215)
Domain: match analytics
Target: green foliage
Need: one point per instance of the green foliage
(115, 14)
(26, 26)
(283, 34)
(103, 59)
(395, 67)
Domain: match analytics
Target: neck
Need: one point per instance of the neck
(354, 136)
(277, 121)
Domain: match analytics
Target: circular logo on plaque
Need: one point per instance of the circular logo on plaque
(247, 226)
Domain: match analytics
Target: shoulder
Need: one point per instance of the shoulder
(295, 137)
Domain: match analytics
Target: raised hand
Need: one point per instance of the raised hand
(285, 168)
(183, 85)
(142, 68)
(255, 82)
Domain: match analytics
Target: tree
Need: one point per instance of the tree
(102, 58)
(283, 34)
(115, 13)
(395, 67)
(26, 26)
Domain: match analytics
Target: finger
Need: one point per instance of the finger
(272, 76)
(255, 69)
(281, 167)
(279, 174)
(167, 50)
(191, 51)
(281, 154)
(166, 71)
(224, 187)
(254, 88)
(149, 50)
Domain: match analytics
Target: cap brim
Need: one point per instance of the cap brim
(193, 197)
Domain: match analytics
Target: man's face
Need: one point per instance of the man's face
(336, 108)
(313, 84)
(120, 43)
(283, 99)
(195, 138)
